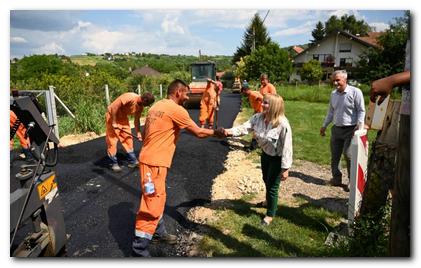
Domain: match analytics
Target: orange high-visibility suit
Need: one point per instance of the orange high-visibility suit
(118, 112)
(208, 105)
(256, 99)
(268, 88)
(163, 123)
(20, 132)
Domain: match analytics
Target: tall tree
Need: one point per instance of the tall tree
(269, 59)
(256, 35)
(318, 33)
(333, 24)
(347, 23)
(389, 58)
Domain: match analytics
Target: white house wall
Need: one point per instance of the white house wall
(328, 46)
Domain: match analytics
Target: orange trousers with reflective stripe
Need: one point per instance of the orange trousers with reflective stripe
(114, 135)
(151, 207)
(206, 114)
(20, 132)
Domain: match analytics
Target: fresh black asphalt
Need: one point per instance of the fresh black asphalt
(99, 205)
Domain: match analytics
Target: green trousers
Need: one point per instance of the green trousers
(271, 169)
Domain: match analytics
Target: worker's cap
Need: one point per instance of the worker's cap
(245, 85)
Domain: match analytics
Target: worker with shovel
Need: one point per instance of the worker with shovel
(118, 126)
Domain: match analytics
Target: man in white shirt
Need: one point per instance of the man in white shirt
(347, 112)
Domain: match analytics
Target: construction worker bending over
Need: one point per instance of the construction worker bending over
(163, 123)
(118, 126)
(255, 98)
(208, 104)
(265, 86)
(20, 132)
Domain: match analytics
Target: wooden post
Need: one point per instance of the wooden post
(160, 90)
(381, 166)
(139, 91)
(107, 95)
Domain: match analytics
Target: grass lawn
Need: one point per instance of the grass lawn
(296, 232)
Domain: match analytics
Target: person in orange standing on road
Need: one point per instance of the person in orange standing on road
(118, 126)
(220, 87)
(20, 132)
(255, 98)
(265, 86)
(208, 104)
(163, 123)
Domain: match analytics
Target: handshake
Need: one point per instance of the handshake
(221, 133)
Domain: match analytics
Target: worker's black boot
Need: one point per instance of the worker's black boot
(161, 234)
(140, 247)
(133, 163)
(114, 164)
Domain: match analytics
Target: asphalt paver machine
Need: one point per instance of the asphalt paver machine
(36, 217)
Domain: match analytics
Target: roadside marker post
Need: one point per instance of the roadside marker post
(358, 178)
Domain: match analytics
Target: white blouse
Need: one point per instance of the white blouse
(273, 141)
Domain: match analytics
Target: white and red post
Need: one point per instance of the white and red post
(358, 176)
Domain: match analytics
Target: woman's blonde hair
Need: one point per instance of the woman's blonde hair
(276, 109)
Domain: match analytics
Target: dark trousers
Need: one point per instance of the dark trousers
(400, 231)
(340, 142)
(271, 169)
(140, 244)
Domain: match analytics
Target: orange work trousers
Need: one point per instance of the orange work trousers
(206, 114)
(114, 135)
(20, 132)
(151, 207)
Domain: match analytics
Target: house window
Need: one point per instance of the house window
(345, 62)
(345, 47)
(316, 57)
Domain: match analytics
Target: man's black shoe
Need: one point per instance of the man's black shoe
(167, 238)
(334, 183)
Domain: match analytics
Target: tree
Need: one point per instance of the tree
(346, 23)
(318, 33)
(312, 71)
(269, 59)
(256, 35)
(389, 58)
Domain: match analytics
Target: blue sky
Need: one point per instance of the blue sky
(167, 31)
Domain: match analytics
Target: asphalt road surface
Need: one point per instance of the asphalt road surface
(100, 206)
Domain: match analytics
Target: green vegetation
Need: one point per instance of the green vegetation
(297, 232)
(79, 81)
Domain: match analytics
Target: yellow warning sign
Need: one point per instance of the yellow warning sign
(46, 186)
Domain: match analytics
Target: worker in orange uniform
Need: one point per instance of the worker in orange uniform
(20, 132)
(219, 87)
(265, 86)
(118, 126)
(162, 128)
(255, 98)
(208, 104)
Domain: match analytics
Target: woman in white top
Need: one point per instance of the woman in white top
(273, 134)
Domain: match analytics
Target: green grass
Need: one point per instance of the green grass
(86, 60)
(295, 232)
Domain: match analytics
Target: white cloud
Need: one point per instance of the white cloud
(101, 40)
(379, 26)
(18, 39)
(50, 48)
(300, 29)
(171, 25)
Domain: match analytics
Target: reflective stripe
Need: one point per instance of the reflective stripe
(143, 234)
